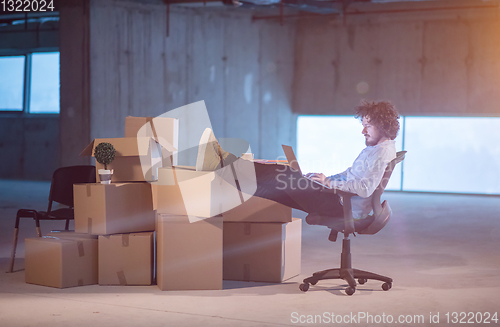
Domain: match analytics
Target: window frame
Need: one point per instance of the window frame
(28, 62)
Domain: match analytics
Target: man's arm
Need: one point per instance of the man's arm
(365, 174)
(320, 177)
(338, 177)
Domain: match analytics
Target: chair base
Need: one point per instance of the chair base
(349, 275)
(346, 272)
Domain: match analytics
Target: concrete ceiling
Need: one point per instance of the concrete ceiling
(349, 7)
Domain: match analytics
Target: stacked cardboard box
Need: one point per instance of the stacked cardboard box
(206, 229)
(189, 228)
(126, 259)
(262, 251)
(61, 262)
(102, 209)
(189, 253)
(261, 240)
(122, 213)
(113, 242)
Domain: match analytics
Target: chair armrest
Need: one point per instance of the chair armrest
(348, 219)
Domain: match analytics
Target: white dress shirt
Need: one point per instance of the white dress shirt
(365, 174)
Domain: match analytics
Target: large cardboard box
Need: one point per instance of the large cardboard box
(126, 259)
(257, 209)
(136, 158)
(102, 209)
(163, 129)
(262, 252)
(181, 190)
(189, 255)
(61, 263)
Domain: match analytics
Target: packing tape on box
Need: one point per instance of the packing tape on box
(81, 250)
(89, 191)
(121, 277)
(125, 239)
(89, 225)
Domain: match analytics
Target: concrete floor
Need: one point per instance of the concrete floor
(441, 250)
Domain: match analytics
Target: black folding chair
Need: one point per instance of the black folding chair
(61, 191)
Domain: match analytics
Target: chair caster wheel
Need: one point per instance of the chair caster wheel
(310, 280)
(350, 291)
(304, 287)
(386, 286)
(361, 281)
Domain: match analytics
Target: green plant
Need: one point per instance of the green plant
(104, 153)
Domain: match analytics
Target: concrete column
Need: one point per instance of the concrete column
(74, 46)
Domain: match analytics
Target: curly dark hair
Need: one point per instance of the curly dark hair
(382, 114)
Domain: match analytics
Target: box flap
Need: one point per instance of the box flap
(166, 144)
(149, 129)
(88, 149)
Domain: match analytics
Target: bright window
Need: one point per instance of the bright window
(11, 83)
(451, 154)
(30, 83)
(445, 154)
(330, 144)
(44, 83)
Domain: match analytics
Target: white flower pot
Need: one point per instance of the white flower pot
(105, 176)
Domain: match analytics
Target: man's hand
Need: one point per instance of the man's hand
(319, 177)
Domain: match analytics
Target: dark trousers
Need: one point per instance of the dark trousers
(282, 184)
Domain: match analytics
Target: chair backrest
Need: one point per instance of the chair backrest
(377, 206)
(61, 187)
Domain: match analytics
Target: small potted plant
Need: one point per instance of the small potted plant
(104, 154)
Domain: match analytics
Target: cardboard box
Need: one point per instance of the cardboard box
(163, 130)
(61, 263)
(181, 190)
(126, 259)
(102, 209)
(262, 252)
(136, 159)
(189, 255)
(70, 234)
(257, 209)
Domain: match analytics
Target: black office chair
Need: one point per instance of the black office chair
(347, 225)
(61, 191)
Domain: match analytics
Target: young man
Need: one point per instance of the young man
(282, 184)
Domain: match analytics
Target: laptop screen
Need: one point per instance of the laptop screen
(290, 156)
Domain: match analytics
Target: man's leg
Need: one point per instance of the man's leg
(284, 185)
(279, 183)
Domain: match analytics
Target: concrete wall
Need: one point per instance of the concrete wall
(242, 69)
(74, 47)
(427, 63)
(28, 146)
(116, 60)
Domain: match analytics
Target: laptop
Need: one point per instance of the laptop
(294, 164)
